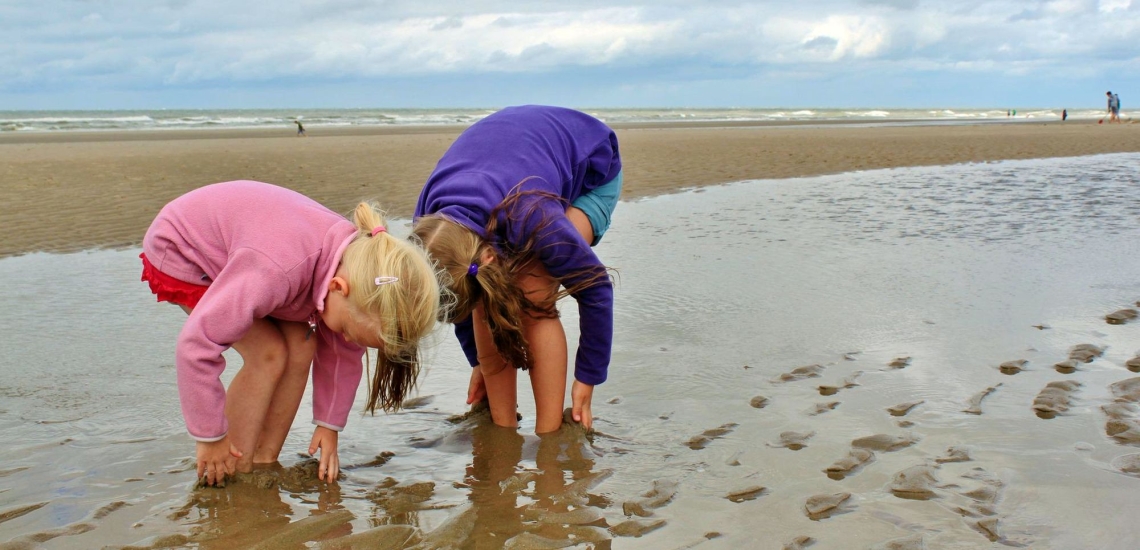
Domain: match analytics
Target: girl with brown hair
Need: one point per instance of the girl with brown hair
(510, 215)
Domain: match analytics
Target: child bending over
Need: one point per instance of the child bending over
(287, 283)
(511, 213)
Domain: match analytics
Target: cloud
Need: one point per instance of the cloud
(54, 45)
(896, 4)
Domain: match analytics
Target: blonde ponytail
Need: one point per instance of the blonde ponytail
(395, 289)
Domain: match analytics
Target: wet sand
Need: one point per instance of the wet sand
(809, 363)
(101, 189)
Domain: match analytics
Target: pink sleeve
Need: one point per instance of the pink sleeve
(337, 368)
(243, 291)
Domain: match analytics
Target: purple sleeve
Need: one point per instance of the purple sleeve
(465, 332)
(337, 369)
(566, 255)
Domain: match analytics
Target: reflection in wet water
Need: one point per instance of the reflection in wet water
(898, 294)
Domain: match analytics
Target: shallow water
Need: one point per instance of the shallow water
(721, 291)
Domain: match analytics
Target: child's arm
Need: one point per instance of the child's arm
(566, 255)
(337, 369)
(240, 293)
(465, 332)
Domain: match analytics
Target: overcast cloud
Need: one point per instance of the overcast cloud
(357, 53)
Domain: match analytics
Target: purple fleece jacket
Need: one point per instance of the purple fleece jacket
(564, 152)
(264, 251)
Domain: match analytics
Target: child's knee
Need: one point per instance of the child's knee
(269, 352)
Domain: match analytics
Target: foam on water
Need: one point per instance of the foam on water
(720, 291)
(175, 119)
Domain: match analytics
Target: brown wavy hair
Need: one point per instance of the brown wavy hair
(454, 247)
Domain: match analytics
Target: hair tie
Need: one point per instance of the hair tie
(473, 270)
(378, 229)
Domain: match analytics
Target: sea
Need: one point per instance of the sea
(187, 119)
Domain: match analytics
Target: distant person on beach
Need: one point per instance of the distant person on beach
(300, 128)
(511, 213)
(287, 283)
(1113, 107)
(1064, 115)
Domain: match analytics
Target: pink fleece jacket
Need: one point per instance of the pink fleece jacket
(264, 251)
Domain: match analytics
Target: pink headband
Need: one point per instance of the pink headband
(378, 229)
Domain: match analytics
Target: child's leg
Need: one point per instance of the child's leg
(500, 379)
(290, 389)
(264, 354)
(547, 341)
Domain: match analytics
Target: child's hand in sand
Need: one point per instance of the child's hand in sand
(326, 440)
(582, 395)
(216, 459)
(476, 389)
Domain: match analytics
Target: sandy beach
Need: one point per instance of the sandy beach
(101, 189)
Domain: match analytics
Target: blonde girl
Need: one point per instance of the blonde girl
(287, 283)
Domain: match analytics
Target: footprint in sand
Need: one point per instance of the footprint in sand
(799, 543)
(799, 373)
(1085, 353)
(975, 403)
(885, 443)
(820, 408)
(1128, 464)
(1054, 398)
(850, 464)
(748, 493)
(902, 408)
(1122, 424)
(698, 442)
(1119, 317)
(793, 440)
(758, 402)
(899, 363)
(915, 483)
(662, 492)
(1133, 364)
(1080, 353)
(402, 498)
(954, 454)
(1013, 367)
(631, 528)
(983, 501)
(832, 389)
(824, 506)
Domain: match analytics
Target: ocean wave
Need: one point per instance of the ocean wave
(188, 119)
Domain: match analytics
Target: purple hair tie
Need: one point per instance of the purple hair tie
(473, 270)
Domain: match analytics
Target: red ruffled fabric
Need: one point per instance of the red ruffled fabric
(169, 289)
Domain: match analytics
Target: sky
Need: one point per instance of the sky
(151, 54)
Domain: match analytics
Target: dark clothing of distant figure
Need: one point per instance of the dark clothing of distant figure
(1064, 115)
(300, 129)
(1113, 107)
